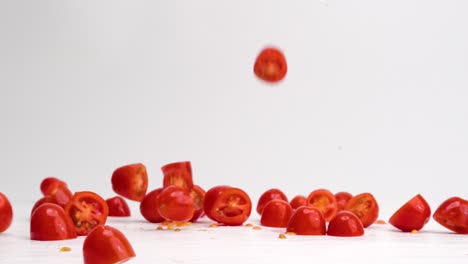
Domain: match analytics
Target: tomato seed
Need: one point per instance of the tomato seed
(282, 236)
(65, 249)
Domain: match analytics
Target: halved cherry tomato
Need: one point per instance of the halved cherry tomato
(149, 208)
(57, 190)
(232, 206)
(106, 244)
(345, 224)
(270, 65)
(6, 213)
(365, 207)
(87, 210)
(307, 220)
(198, 195)
(175, 204)
(342, 199)
(49, 222)
(118, 206)
(43, 200)
(179, 174)
(210, 197)
(276, 213)
(269, 195)
(453, 215)
(325, 201)
(130, 181)
(298, 201)
(413, 215)
(49, 184)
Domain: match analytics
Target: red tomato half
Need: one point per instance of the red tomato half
(298, 201)
(179, 174)
(276, 213)
(149, 209)
(174, 203)
(106, 245)
(345, 224)
(232, 206)
(118, 206)
(87, 210)
(325, 201)
(270, 65)
(130, 181)
(413, 215)
(49, 184)
(269, 195)
(342, 199)
(49, 222)
(43, 200)
(307, 220)
(365, 207)
(198, 196)
(6, 213)
(453, 214)
(210, 197)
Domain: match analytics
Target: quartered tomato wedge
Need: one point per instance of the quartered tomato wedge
(130, 181)
(453, 215)
(345, 224)
(179, 174)
(6, 213)
(269, 195)
(307, 220)
(413, 215)
(49, 222)
(231, 206)
(365, 207)
(270, 65)
(118, 207)
(87, 210)
(325, 201)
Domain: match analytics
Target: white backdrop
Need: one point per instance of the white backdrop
(375, 98)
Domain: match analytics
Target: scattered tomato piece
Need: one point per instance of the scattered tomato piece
(271, 194)
(276, 213)
(345, 224)
(453, 214)
(270, 65)
(118, 207)
(179, 174)
(65, 249)
(6, 213)
(282, 236)
(175, 204)
(365, 206)
(413, 215)
(307, 220)
(50, 222)
(130, 181)
(325, 201)
(298, 201)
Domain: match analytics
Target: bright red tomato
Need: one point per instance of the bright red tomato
(231, 206)
(210, 197)
(50, 222)
(342, 199)
(298, 201)
(149, 208)
(345, 224)
(57, 190)
(198, 196)
(325, 201)
(413, 215)
(118, 206)
(49, 184)
(130, 181)
(6, 213)
(179, 174)
(365, 206)
(276, 213)
(453, 214)
(174, 203)
(106, 245)
(269, 195)
(270, 65)
(43, 200)
(87, 210)
(307, 220)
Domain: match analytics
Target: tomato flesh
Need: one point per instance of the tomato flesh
(325, 201)
(270, 65)
(342, 199)
(179, 174)
(130, 181)
(453, 215)
(413, 215)
(232, 206)
(365, 207)
(198, 196)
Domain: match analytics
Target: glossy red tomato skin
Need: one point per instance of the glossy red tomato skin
(49, 184)
(307, 220)
(210, 197)
(198, 196)
(118, 207)
(6, 213)
(325, 201)
(43, 200)
(345, 224)
(453, 215)
(50, 222)
(149, 207)
(413, 215)
(270, 65)
(231, 207)
(130, 181)
(276, 213)
(106, 245)
(365, 207)
(174, 203)
(269, 195)
(87, 210)
(179, 174)
(298, 201)
(342, 199)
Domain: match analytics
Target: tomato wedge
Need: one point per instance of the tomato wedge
(325, 201)
(232, 206)
(276, 213)
(413, 215)
(174, 203)
(298, 201)
(365, 206)
(179, 174)
(271, 194)
(118, 207)
(198, 196)
(130, 181)
(453, 215)
(210, 197)
(270, 65)
(342, 199)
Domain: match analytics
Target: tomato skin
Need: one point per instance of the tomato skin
(130, 181)
(87, 210)
(49, 184)
(453, 215)
(198, 196)
(365, 206)
(6, 213)
(43, 200)
(174, 203)
(345, 224)
(50, 222)
(276, 213)
(298, 201)
(179, 174)
(231, 207)
(307, 220)
(269, 195)
(270, 65)
(106, 245)
(325, 201)
(149, 208)
(118, 207)
(342, 199)
(210, 197)
(413, 215)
